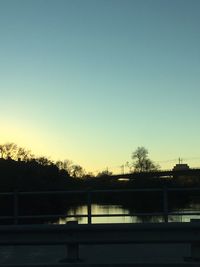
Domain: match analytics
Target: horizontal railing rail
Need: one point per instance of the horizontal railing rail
(165, 213)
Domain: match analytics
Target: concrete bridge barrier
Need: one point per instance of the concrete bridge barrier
(74, 235)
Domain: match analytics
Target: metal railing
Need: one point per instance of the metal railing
(165, 213)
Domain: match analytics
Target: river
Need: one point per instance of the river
(97, 209)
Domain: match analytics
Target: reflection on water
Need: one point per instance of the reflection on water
(97, 210)
(124, 218)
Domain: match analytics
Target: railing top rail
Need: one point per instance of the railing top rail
(112, 226)
(6, 193)
(91, 191)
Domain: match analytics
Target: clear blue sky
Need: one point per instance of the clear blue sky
(91, 80)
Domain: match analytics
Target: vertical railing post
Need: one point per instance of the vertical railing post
(72, 247)
(165, 203)
(16, 206)
(89, 207)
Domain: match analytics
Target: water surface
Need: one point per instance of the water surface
(97, 209)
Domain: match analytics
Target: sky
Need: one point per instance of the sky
(91, 80)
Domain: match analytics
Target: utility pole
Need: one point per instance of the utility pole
(122, 169)
(180, 160)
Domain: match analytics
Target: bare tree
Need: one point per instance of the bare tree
(104, 173)
(141, 162)
(74, 170)
(44, 161)
(12, 151)
(66, 165)
(77, 171)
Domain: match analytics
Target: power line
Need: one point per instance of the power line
(177, 159)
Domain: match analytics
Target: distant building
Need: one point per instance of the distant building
(181, 167)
